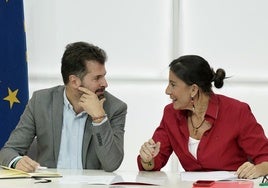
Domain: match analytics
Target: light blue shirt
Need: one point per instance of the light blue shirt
(70, 155)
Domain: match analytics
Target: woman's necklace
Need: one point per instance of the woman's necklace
(196, 127)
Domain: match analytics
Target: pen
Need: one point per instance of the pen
(43, 180)
(41, 167)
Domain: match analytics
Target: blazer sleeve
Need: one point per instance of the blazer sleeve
(108, 138)
(20, 138)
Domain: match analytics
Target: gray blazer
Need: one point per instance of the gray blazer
(103, 146)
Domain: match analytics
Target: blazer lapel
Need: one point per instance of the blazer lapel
(86, 140)
(57, 119)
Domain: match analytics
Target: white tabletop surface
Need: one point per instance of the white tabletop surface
(85, 178)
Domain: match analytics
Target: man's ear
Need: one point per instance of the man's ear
(74, 81)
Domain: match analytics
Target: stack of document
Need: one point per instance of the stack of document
(9, 173)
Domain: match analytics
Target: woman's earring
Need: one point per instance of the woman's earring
(192, 101)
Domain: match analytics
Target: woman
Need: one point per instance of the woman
(207, 131)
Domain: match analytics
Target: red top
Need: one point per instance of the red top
(234, 138)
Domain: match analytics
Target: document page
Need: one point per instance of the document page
(8, 173)
(140, 178)
(85, 179)
(211, 175)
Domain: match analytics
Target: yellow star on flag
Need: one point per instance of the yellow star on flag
(12, 97)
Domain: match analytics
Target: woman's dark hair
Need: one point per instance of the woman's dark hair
(193, 69)
(74, 59)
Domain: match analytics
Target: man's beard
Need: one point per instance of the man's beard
(100, 93)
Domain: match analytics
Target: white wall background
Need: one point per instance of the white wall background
(141, 38)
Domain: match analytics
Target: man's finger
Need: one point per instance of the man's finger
(85, 90)
(102, 101)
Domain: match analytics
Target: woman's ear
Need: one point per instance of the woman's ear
(194, 90)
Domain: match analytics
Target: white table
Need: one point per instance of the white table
(81, 178)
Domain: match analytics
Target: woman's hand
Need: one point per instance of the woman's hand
(149, 150)
(247, 171)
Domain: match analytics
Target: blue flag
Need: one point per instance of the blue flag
(14, 92)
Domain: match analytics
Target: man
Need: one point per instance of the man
(78, 125)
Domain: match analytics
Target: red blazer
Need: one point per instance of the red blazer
(234, 138)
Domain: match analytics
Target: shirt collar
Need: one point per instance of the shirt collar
(213, 106)
(68, 105)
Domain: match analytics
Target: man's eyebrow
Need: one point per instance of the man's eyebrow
(99, 75)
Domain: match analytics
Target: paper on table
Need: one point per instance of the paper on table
(6, 173)
(131, 179)
(84, 179)
(211, 175)
(112, 179)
